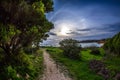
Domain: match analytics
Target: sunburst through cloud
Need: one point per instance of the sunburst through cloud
(84, 19)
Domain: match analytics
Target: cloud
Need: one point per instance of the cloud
(75, 33)
(115, 27)
(83, 29)
(86, 19)
(106, 29)
(113, 2)
(52, 33)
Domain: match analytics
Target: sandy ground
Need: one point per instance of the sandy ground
(51, 71)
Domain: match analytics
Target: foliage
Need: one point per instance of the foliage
(11, 72)
(70, 48)
(96, 65)
(95, 52)
(112, 45)
(113, 64)
(78, 69)
(86, 55)
(37, 61)
(26, 67)
(112, 49)
(117, 77)
(99, 68)
(23, 24)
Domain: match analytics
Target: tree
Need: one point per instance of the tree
(22, 24)
(70, 48)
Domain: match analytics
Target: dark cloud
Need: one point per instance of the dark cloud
(86, 2)
(52, 33)
(109, 27)
(83, 29)
(114, 27)
(76, 33)
(106, 29)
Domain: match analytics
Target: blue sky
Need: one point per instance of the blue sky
(83, 20)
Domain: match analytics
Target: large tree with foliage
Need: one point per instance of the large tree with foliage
(23, 23)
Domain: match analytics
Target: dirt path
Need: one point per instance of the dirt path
(52, 72)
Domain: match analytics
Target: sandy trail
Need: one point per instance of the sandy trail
(52, 72)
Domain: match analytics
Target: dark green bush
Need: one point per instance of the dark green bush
(95, 52)
(11, 73)
(20, 67)
(71, 48)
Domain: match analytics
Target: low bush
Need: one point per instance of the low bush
(96, 65)
(22, 66)
(99, 68)
(117, 76)
(95, 52)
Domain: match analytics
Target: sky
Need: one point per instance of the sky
(83, 20)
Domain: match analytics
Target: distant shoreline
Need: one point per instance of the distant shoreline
(85, 43)
(89, 41)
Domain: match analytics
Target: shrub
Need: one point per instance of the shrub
(99, 68)
(70, 48)
(96, 65)
(95, 52)
(105, 73)
(117, 76)
(20, 65)
(11, 73)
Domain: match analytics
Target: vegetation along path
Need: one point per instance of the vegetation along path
(52, 72)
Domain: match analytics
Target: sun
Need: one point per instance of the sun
(64, 31)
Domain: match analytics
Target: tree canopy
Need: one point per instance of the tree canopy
(23, 23)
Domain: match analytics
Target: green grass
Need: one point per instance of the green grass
(78, 69)
(113, 64)
(85, 54)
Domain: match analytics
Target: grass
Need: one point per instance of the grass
(79, 70)
(85, 54)
(113, 64)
